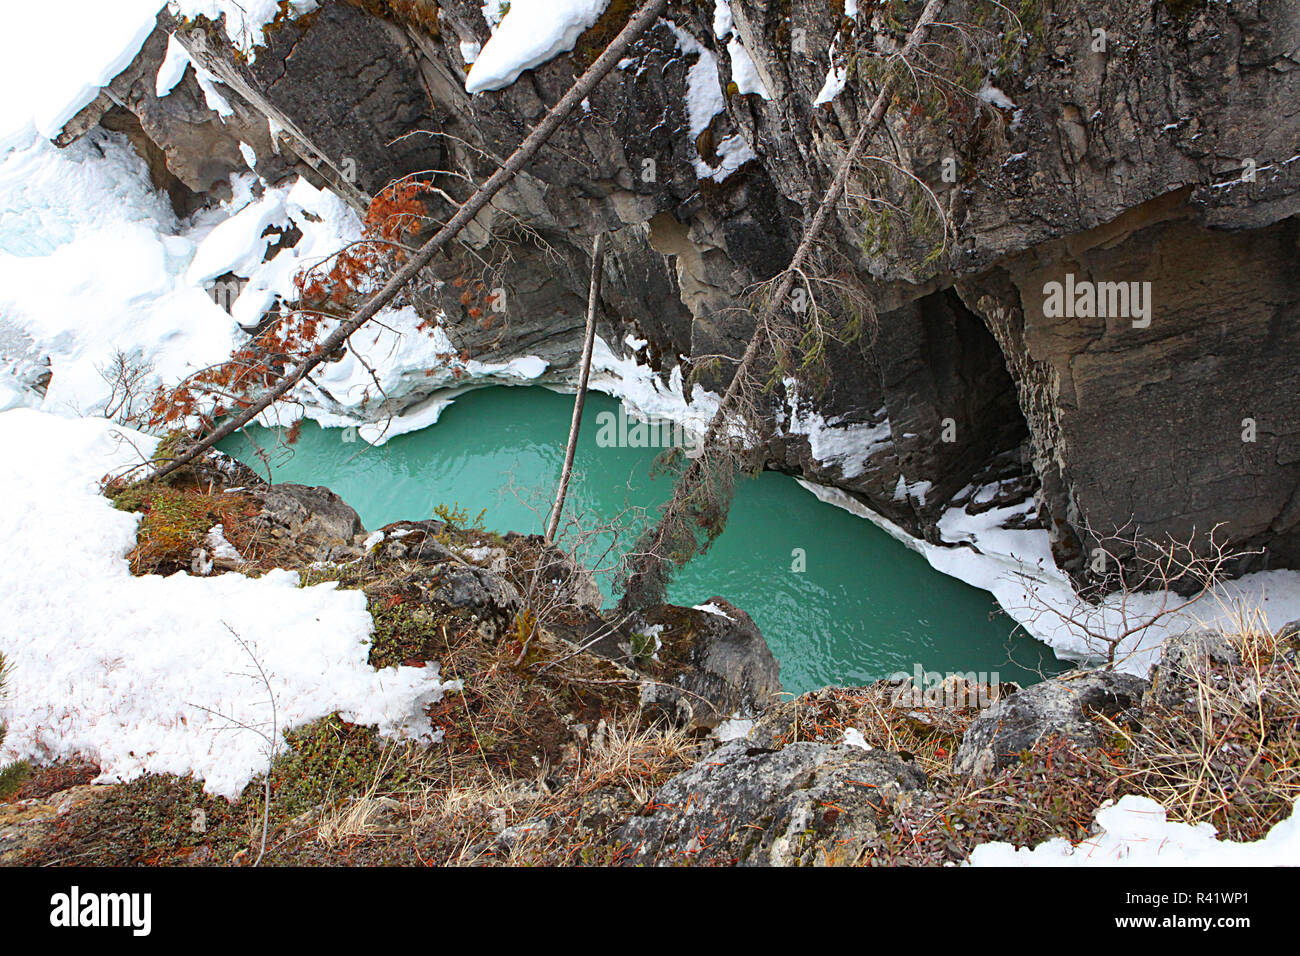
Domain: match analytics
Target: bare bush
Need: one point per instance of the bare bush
(127, 377)
(1137, 584)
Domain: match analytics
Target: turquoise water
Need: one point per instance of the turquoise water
(865, 606)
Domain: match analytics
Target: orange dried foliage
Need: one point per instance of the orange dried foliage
(330, 289)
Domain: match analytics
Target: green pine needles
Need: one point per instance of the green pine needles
(12, 775)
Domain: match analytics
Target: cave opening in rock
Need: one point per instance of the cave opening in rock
(983, 441)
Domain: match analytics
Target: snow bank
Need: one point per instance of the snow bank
(532, 32)
(48, 77)
(643, 391)
(133, 673)
(1017, 568)
(91, 259)
(407, 363)
(1137, 832)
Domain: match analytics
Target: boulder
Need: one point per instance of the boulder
(805, 804)
(317, 523)
(1186, 659)
(702, 666)
(445, 575)
(1062, 707)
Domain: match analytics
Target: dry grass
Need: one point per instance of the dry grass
(617, 770)
(888, 719)
(1226, 748)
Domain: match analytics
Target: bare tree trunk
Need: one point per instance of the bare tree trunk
(584, 375)
(642, 20)
(647, 558)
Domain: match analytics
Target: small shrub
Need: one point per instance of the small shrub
(457, 518)
(11, 775)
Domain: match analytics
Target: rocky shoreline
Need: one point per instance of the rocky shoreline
(662, 740)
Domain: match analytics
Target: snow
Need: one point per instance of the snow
(915, 490)
(469, 51)
(836, 78)
(848, 445)
(47, 82)
(733, 728)
(1017, 568)
(723, 24)
(140, 674)
(743, 71)
(419, 373)
(713, 609)
(221, 548)
(645, 394)
(91, 259)
(704, 100)
(1136, 831)
(853, 738)
(82, 232)
(173, 67)
(988, 93)
(216, 101)
(493, 11)
(237, 245)
(531, 33)
(245, 20)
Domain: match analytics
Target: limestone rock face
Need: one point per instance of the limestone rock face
(1062, 707)
(1162, 151)
(805, 804)
(191, 150)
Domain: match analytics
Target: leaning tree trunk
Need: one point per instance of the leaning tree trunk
(649, 566)
(642, 20)
(584, 375)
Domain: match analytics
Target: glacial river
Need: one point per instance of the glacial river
(839, 600)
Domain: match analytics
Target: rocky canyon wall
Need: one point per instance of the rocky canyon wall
(1109, 142)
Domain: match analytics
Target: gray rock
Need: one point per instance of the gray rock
(461, 586)
(444, 575)
(708, 666)
(1061, 707)
(805, 804)
(317, 522)
(1185, 660)
(1290, 634)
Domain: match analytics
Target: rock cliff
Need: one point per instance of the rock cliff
(1083, 143)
